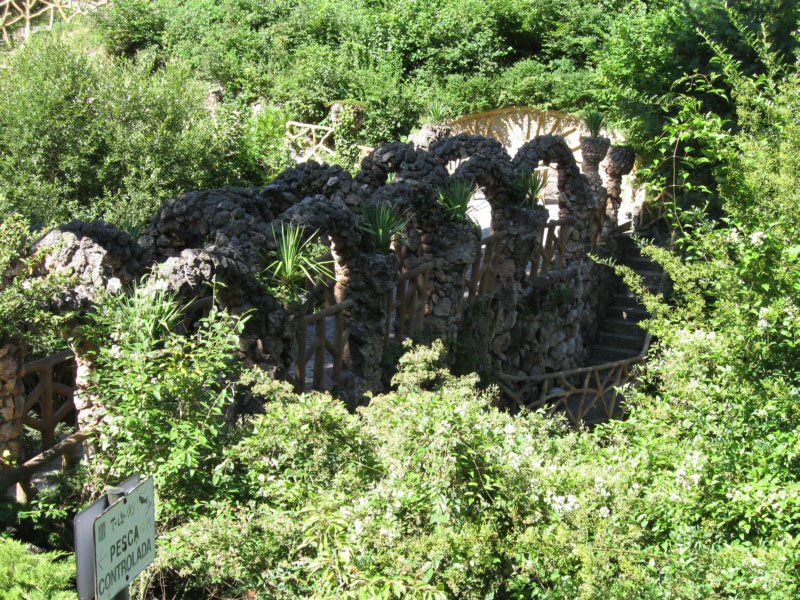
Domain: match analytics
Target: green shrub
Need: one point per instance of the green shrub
(297, 260)
(131, 25)
(454, 198)
(25, 314)
(90, 137)
(28, 576)
(529, 187)
(164, 395)
(381, 223)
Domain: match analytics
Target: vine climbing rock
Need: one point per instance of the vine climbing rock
(12, 404)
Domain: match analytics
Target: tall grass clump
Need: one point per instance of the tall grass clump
(454, 198)
(296, 261)
(381, 222)
(529, 187)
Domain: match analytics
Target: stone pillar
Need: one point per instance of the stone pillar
(523, 228)
(89, 411)
(620, 162)
(366, 280)
(453, 248)
(12, 403)
(594, 150)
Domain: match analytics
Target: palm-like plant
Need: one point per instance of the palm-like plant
(297, 260)
(593, 121)
(454, 198)
(438, 112)
(381, 222)
(530, 186)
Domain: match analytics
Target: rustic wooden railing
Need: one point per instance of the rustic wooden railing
(320, 344)
(45, 394)
(315, 142)
(407, 303)
(552, 248)
(482, 275)
(310, 141)
(21, 476)
(577, 391)
(17, 16)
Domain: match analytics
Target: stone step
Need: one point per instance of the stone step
(641, 263)
(626, 311)
(615, 339)
(604, 354)
(625, 326)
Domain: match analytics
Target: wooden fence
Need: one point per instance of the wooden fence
(320, 344)
(407, 303)
(552, 248)
(45, 394)
(19, 17)
(314, 142)
(577, 392)
(482, 275)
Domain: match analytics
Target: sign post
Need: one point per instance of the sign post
(115, 540)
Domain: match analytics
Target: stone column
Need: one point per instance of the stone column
(453, 247)
(594, 150)
(620, 162)
(90, 412)
(12, 403)
(366, 280)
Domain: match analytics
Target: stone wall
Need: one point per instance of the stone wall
(227, 235)
(12, 402)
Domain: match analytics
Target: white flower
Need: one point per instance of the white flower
(757, 238)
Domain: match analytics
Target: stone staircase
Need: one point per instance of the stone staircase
(619, 335)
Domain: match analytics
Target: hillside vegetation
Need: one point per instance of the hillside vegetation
(429, 492)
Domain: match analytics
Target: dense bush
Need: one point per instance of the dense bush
(91, 137)
(164, 393)
(26, 316)
(390, 56)
(430, 493)
(28, 576)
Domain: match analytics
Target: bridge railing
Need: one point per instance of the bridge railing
(576, 392)
(45, 394)
(18, 17)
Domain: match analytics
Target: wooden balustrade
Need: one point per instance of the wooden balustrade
(407, 303)
(310, 141)
(19, 15)
(21, 476)
(320, 344)
(482, 275)
(577, 391)
(45, 393)
(553, 246)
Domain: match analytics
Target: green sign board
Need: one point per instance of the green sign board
(124, 540)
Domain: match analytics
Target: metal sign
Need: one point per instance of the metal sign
(124, 540)
(115, 540)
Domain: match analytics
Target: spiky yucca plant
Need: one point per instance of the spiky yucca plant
(296, 260)
(381, 222)
(529, 187)
(454, 198)
(593, 120)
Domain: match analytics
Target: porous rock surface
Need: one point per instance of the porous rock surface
(228, 236)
